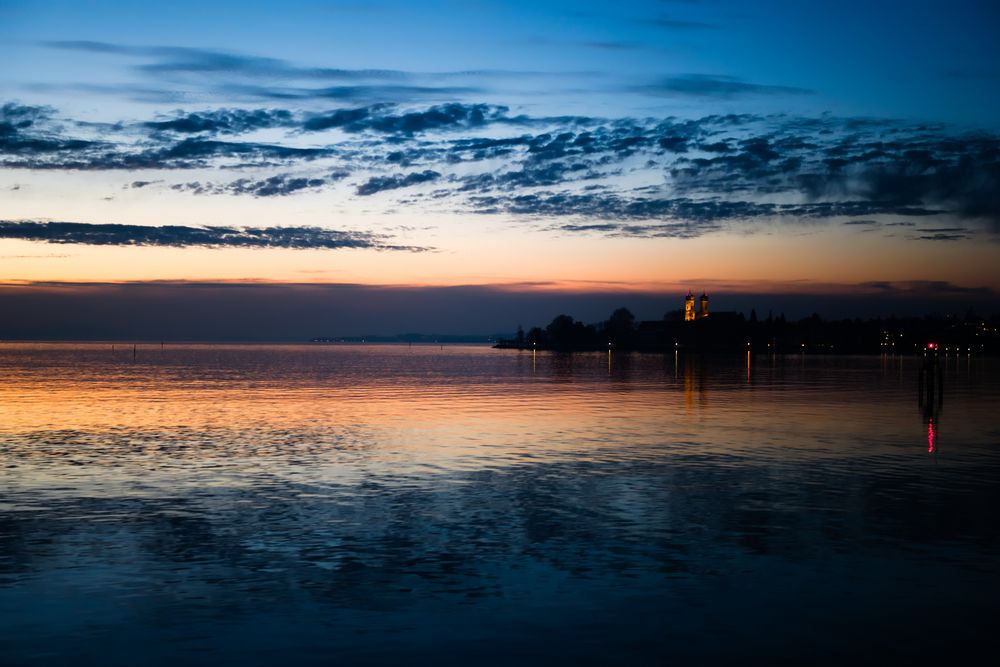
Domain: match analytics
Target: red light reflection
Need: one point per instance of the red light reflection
(930, 436)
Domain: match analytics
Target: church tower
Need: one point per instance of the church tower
(689, 307)
(703, 306)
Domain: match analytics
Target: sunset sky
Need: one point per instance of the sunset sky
(404, 166)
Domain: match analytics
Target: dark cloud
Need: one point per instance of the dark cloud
(486, 148)
(14, 143)
(248, 77)
(937, 288)
(379, 118)
(251, 91)
(677, 217)
(571, 152)
(716, 147)
(22, 115)
(381, 183)
(93, 47)
(274, 186)
(189, 149)
(969, 186)
(598, 44)
(224, 121)
(887, 165)
(942, 234)
(21, 134)
(531, 175)
(447, 116)
(692, 217)
(350, 118)
(183, 60)
(189, 153)
(298, 238)
(357, 93)
(678, 230)
(708, 85)
(715, 168)
(674, 143)
(958, 174)
(172, 60)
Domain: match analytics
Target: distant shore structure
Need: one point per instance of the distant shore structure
(690, 315)
(692, 330)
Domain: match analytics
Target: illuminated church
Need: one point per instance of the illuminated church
(689, 313)
(724, 330)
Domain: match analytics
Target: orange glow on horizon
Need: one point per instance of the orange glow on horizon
(515, 259)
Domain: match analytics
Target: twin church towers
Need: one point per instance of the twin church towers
(689, 313)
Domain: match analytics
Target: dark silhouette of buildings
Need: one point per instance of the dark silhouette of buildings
(691, 329)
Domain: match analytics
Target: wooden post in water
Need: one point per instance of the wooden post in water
(930, 381)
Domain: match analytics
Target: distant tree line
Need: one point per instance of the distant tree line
(723, 331)
(566, 333)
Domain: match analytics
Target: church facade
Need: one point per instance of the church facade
(690, 315)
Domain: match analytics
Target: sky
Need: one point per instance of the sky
(349, 168)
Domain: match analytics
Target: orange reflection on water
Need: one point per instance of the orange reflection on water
(331, 408)
(426, 406)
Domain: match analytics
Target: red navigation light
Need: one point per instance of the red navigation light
(931, 346)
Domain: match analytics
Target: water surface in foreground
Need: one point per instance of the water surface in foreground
(365, 504)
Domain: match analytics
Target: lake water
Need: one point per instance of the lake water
(256, 505)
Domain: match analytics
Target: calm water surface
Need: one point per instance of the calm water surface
(380, 504)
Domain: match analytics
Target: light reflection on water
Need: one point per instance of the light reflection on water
(314, 504)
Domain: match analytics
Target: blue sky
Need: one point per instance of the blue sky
(932, 61)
